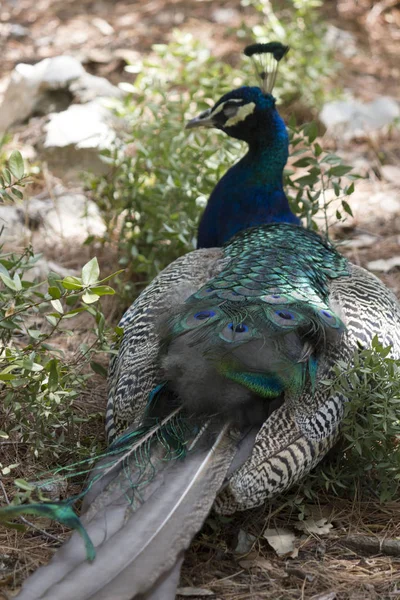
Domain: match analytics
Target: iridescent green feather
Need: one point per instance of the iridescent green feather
(266, 293)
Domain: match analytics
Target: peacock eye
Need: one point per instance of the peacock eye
(240, 328)
(326, 314)
(285, 314)
(204, 314)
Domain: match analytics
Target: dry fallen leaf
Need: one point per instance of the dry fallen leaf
(318, 527)
(282, 541)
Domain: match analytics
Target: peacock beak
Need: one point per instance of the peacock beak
(202, 120)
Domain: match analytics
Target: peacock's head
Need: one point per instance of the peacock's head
(247, 112)
(240, 113)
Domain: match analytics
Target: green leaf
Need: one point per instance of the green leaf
(305, 162)
(53, 374)
(56, 304)
(91, 272)
(317, 149)
(17, 281)
(89, 298)
(72, 283)
(111, 276)
(102, 290)
(16, 164)
(98, 368)
(52, 320)
(347, 208)
(17, 193)
(7, 376)
(54, 292)
(24, 485)
(7, 176)
(8, 282)
(339, 170)
(311, 131)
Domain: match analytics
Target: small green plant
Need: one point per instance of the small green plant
(12, 177)
(324, 171)
(39, 382)
(367, 460)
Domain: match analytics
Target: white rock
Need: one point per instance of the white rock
(48, 221)
(352, 118)
(12, 225)
(82, 125)
(88, 87)
(74, 138)
(28, 84)
(341, 40)
(72, 217)
(60, 71)
(32, 86)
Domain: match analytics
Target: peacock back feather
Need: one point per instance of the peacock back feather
(262, 323)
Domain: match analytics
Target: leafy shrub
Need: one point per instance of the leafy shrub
(38, 384)
(370, 454)
(161, 176)
(366, 460)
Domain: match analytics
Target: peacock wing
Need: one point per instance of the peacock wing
(298, 434)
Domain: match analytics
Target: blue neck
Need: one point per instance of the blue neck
(251, 192)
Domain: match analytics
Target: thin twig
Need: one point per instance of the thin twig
(372, 545)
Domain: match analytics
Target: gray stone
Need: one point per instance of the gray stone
(352, 118)
(245, 542)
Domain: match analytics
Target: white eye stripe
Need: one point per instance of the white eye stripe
(221, 106)
(241, 114)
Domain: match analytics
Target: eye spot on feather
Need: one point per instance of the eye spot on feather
(204, 314)
(240, 328)
(276, 298)
(236, 333)
(285, 314)
(326, 314)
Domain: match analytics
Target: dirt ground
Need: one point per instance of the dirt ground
(104, 34)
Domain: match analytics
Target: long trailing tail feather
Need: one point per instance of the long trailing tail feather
(141, 516)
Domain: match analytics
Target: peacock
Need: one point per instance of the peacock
(216, 396)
